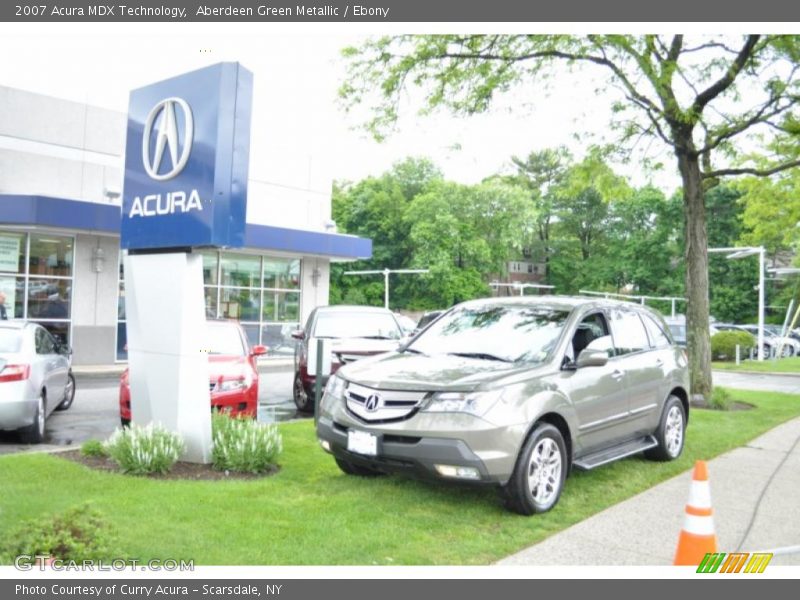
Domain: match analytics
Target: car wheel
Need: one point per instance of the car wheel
(357, 470)
(34, 434)
(671, 432)
(302, 400)
(69, 393)
(538, 478)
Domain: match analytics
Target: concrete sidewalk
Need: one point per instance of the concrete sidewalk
(759, 482)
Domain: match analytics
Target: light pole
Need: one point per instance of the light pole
(734, 253)
(386, 273)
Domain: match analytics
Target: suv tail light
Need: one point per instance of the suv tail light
(15, 373)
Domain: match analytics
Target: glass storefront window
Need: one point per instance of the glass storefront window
(282, 273)
(211, 302)
(14, 290)
(209, 267)
(49, 298)
(278, 338)
(12, 252)
(241, 270)
(281, 306)
(234, 285)
(50, 255)
(36, 279)
(240, 304)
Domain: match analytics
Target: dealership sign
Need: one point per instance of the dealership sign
(186, 160)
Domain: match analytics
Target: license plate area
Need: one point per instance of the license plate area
(362, 442)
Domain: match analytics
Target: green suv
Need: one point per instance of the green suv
(513, 393)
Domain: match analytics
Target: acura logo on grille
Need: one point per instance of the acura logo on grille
(372, 403)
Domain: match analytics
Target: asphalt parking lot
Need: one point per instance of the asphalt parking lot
(95, 412)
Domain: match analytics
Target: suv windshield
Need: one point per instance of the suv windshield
(495, 332)
(345, 324)
(225, 339)
(10, 340)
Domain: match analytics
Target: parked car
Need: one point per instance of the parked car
(35, 378)
(407, 324)
(513, 393)
(354, 331)
(677, 327)
(772, 341)
(233, 372)
(790, 340)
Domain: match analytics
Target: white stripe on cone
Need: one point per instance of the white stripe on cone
(700, 494)
(699, 525)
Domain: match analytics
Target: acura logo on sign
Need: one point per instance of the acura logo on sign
(372, 403)
(166, 136)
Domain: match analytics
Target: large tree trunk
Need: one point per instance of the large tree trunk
(696, 256)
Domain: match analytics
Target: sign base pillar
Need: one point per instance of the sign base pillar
(167, 353)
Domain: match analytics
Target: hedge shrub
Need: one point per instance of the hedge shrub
(723, 344)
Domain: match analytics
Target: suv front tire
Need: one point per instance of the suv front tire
(538, 478)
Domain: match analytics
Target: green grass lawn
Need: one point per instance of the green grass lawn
(310, 513)
(782, 365)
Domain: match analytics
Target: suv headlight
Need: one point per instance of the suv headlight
(334, 390)
(473, 403)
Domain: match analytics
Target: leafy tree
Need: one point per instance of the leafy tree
(686, 94)
(540, 173)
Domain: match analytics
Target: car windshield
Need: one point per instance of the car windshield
(354, 324)
(495, 332)
(225, 339)
(10, 340)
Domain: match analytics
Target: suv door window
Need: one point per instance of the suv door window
(592, 332)
(658, 338)
(629, 332)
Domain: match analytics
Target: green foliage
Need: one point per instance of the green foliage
(93, 448)
(244, 445)
(723, 344)
(80, 533)
(721, 399)
(142, 450)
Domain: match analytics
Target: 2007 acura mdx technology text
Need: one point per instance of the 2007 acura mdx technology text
(514, 393)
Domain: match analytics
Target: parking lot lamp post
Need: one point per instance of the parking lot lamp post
(386, 273)
(734, 253)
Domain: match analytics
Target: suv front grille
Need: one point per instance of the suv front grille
(371, 405)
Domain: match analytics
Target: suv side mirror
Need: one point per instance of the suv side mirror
(64, 349)
(592, 358)
(299, 334)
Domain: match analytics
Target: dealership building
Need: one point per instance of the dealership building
(61, 173)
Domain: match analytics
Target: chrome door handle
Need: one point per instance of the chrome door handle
(659, 362)
(617, 374)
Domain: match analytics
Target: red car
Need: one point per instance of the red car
(233, 372)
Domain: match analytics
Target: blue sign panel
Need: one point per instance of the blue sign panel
(186, 160)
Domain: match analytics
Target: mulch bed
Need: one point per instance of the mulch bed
(733, 406)
(180, 470)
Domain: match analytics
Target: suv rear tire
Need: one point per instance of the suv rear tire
(538, 478)
(351, 469)
(671, 432)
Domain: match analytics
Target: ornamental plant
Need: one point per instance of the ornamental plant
(244, 445)
(144, 450)
(723, 344)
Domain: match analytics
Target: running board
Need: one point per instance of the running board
(607, 455)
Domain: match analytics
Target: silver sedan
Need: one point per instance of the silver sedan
(35, 378)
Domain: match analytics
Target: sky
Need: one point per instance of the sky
(296, 80)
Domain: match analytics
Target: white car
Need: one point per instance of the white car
(35, 378)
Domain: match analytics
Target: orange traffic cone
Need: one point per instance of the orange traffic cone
(697, 536)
